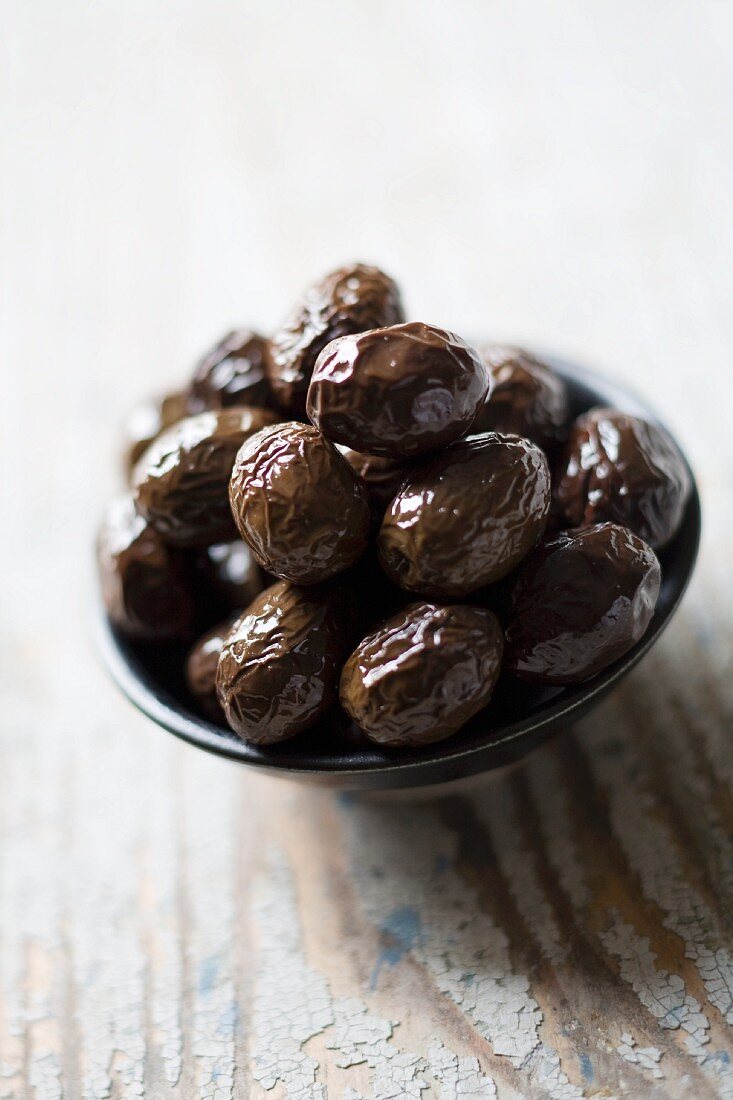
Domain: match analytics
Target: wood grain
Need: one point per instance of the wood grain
(171, 926)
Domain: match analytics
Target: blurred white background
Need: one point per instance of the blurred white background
(558, 173)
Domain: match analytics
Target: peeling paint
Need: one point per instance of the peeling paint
(44, 1076)
(210, 856)
(106, 944)
(293, 1004)
(459, 1078)
(651, 851)
(359, 1038)
(292, 1001)
(394, 853)
(31, 885)
(165, 946)
(646, 1057)
(696, 789)
(662, 993)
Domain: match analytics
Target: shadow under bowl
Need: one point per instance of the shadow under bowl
(519, 718)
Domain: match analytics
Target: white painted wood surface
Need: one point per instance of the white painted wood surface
(171, 926)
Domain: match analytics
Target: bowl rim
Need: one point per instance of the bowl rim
(432, 763)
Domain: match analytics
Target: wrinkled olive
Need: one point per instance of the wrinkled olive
(527, 398)
(400, 391)
(580, 602)
(467, 517)
(182, 478)
(351, 299)
(278, 669)
(233, 372)
(148, 419)
(143, 581)
(201, 664)
(298, 504)
(423, 673)
(625, 470)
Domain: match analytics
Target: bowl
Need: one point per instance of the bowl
(519, 718)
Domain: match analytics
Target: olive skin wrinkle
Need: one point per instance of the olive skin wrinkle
(580, 602)
(422, 674)
(278, 668)
(298, 504)
(400, 392)
(234, 372)
(467, 518)
(527, 397)
(143, 581)
(181, 480)
(351, 299)
(626, 470)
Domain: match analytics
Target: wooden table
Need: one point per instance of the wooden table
(170, 925)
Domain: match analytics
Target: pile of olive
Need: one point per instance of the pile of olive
(360, 511)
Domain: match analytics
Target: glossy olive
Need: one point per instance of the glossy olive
(201, 665)
(148, 419)
(298, 504)
(143, 581)
(423, 673)
(527, 397)
(278, 669)
(182, 478)
(400, 391)
(581, 601)
(351, 299)
(626, 470)
(234, 372)
(175, 406)
(467, 517)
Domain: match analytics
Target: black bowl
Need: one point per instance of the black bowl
(519, 717)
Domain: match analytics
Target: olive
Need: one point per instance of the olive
(625, 470)
(298, 504)
(201, 665)
(400, 391)
(278, 668)
(148, 419)
(581, 601)
(143, 581)
(234, 372)
(351, 299)
(423, 673)
(182, 479)
(527, 397)
(467, 517)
